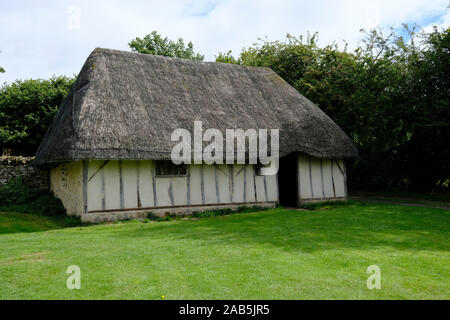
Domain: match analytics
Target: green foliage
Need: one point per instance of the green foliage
(153, 217)
(154, 43)
(213, 213)
(390, 95)
(73, 221)
(19, 197)
(227, 58)
(27, 108)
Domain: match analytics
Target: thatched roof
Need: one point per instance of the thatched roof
(125, 105)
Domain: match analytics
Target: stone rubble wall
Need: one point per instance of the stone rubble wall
(17, 166)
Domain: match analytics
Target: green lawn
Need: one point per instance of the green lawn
(273, 254)
(16, 222)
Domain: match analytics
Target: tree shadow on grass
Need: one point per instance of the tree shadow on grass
(356, 226)
(19, 222)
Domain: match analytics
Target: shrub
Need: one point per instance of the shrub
(18, 196)
(71, 221)
(212, 213)
(153, 217)
(27, 108)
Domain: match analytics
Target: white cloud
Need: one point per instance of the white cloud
(37, 42)
(443, 22)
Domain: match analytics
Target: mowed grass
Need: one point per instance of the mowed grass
(273, 254)
(16, 222)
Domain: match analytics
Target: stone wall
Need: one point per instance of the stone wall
(13, 166)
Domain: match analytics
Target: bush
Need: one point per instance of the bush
(168, 217)
(212, 213)
(390, 95)
(27, 107)
(18, 196)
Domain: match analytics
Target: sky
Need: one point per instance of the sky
(39, 39)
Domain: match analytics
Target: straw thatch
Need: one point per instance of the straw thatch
(125, 105)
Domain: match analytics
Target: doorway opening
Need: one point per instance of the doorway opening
(288, 180)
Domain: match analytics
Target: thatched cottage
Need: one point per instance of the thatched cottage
(109, 146)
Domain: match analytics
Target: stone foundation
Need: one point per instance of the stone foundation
(103, 216)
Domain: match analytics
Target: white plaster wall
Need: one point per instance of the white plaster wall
(66, 184)
(209, 183)
(250, 194)
(162, 192)
(179, 189)
(339, 178)
(195, 179)
(260, 192)
(272, 187)
(129, 181)
(222, 184)
(316, 179)
(327, 179)
(304, 177)
(145, 174)
(238, 183)
(321, 179)
(112, 186)
(96, 185)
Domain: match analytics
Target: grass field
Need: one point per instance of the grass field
(16, 222)
(273, 254)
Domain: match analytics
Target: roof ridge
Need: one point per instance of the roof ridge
(156, 56)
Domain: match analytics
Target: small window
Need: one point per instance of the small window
(168, 168)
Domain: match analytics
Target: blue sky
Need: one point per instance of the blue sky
(54, 37)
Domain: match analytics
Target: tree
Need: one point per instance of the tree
(426, 155)
(227, 57)
(154, 43)
(26, 110)
(389, 95)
